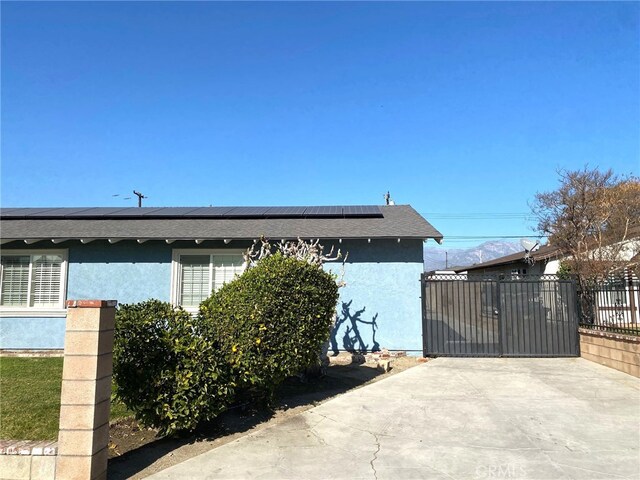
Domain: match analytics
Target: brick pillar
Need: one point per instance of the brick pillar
(86, 389)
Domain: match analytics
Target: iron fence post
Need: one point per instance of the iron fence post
(501, 325)
(423, 300)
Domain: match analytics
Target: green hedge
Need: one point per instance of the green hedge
(166, 370)
(272, 321)
(174, 370)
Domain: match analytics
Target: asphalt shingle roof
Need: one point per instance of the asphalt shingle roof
(543, 253)
(398, 221)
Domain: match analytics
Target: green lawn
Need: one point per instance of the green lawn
(30, 398)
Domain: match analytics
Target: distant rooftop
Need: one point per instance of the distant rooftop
(543, 253)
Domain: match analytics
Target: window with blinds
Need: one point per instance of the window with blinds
(225, 268)
(200, 274)
(196, 279)
(32, 280)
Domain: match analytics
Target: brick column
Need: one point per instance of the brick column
(86, 390)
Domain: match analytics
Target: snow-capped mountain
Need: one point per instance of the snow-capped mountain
(434, 257)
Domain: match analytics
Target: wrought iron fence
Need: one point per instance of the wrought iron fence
(499, 315)
(612, 306)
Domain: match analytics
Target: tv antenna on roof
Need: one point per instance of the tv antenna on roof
(140, 197)
(529, 247)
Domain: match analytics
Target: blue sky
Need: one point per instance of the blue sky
(455, 108)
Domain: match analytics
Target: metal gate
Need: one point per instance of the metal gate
(496, 316)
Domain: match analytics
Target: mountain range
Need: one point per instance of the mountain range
(436, 259)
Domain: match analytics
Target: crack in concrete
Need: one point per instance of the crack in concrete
(375, 455)
(374, 435)
(322, 441)
(318, 437)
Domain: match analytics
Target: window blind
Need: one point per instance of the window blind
(32, 281)
(199, 275)
(46, 280)
(225, 268)
(195, 279)
(15, 281)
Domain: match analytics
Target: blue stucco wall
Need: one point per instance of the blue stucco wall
(32, 333)
(125, 271)
(379, 307)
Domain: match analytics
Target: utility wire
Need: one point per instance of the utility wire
(463, 237)
(475, 214)
(478, 216)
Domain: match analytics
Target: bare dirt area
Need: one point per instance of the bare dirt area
(136, 452)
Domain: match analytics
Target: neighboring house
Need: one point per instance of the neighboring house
(615, 301)
(543, 261)
(546, 259)
(182, 254)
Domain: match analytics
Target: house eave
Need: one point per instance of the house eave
(200, 239)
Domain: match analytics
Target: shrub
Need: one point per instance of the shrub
(272, 320)
(564, 271)
(166, 371)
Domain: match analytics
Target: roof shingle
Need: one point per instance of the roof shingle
(399, 221)
(543, 253)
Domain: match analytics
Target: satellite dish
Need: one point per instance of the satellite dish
(529, 245)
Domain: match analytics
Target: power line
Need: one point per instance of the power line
(479, 216)
(480, 213)
(471, 237)
(474, 242)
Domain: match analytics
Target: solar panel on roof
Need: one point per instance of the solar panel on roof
(329, 211)
(247, 212)
(10, 211)
(208, 212)
(40, 211)
(150, 211)
(96, 212)
(196, 212)
(361, 211)
(133, 211)
(351, 210)
(173, 211)
(310, 211)
(56, 212)
(371, 209)
(21, 212)
(285, 212)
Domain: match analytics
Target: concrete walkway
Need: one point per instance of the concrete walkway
(451, 418)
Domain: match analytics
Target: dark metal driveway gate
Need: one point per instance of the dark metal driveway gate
(499, 316)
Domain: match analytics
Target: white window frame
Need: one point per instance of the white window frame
(28, 311)
(175, 268)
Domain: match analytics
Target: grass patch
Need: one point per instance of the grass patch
(30, 398)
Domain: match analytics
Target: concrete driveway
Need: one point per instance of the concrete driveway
(451, 418)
